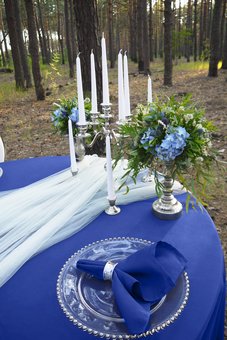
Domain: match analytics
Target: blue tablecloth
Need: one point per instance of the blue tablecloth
(29, 307)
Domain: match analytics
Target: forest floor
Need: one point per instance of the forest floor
(26, 128)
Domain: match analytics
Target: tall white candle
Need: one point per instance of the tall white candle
(121, 96)
(82, 118)
(110, 180)
(72, 147)
(94, 107)
(105, 82)
(126, 87)
(149, 90)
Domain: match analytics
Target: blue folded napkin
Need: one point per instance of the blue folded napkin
(139, 281)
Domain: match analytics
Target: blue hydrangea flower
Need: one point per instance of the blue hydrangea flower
(57, 113)
(172, 145)
(63, 112)
(147, 138)
(74, 115)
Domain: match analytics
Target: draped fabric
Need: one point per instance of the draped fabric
(41, 214)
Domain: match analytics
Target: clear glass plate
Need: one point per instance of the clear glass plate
(89, 302)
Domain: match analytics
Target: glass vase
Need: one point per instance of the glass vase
(167, 207)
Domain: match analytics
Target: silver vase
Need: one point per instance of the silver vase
(167, 207)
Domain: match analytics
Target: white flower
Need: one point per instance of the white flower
(205, 152)
(188, 117)
(87, 100)
(199, 159)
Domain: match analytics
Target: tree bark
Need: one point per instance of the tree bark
(133, 30)
(73, 30)
(146, 45)
(201, 35)
(189, 31)
(151, 31)
(46, 53)
(215, 40)
(224, 61)
(110, 29)
(68, 39)
(142, 38)
(60, 33)
(20, 41)
(223, 19)
(34, 50)
(87, 36)
(195, 30)
(11, 22)
(168, 44)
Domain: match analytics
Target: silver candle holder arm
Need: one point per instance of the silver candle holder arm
(100, 128)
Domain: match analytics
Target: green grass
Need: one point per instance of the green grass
(192, 66)
(9, 93)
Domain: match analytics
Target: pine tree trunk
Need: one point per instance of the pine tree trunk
(222, 28)
(20, 41)
(110, 29)
(34, 50)
(2, 56)
(215, 40)
(46, 53)
(68, 39)
(224, 61)
(11, 22)
(201, 35)
(40, 40)
(60, 34)
(189, 31)
(6, 47)
(195, 30)
(73, 31)
(151, 32)
(168, 44)
(179, 30)
(133, 30)
(146, 46)
(139, 37)
(87, 26)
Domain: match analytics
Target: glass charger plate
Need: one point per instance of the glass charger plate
(89, 303)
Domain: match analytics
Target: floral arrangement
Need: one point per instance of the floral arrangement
(65, 109)
(173, 133)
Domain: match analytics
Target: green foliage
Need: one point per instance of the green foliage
(174, 133)
(52, 71)
(65, 109)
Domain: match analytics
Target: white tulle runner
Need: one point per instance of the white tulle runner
(39, 215)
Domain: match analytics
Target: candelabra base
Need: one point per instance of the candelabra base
(112, 209)
(74, 172)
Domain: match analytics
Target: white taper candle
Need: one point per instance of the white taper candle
(105, 82)
(110, 180)
(126, 87)
(82, 117)
(94, 107)
(72, 147)
(149, 90)
(121, 95)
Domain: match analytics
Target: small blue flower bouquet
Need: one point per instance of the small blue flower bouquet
(174, 133)
(68, 109)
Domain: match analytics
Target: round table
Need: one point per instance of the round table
(29, 308)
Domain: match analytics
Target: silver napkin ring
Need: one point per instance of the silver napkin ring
(108, 270)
